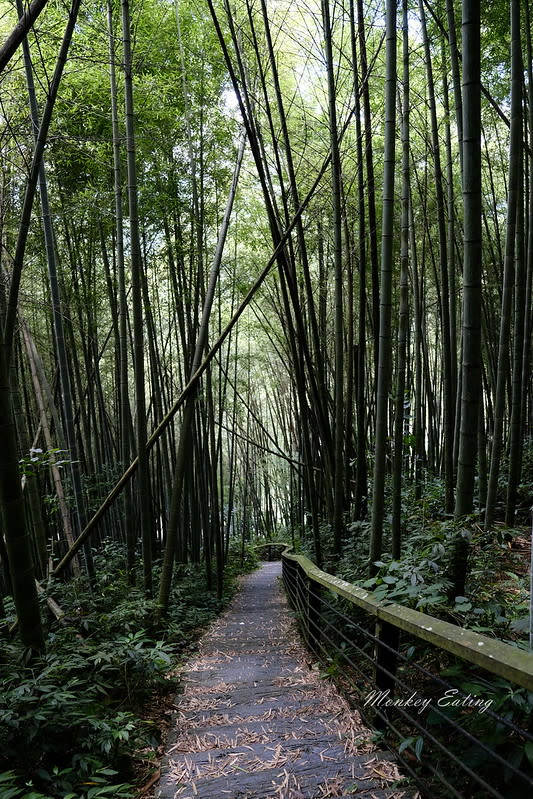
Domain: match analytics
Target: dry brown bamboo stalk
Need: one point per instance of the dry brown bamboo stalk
(37, 374)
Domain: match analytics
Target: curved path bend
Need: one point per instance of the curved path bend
(256, 721)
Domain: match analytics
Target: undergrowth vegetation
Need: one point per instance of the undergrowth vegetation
(497, 592)
(74, 724)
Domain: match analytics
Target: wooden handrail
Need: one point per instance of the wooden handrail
(504, 660)
(288, 547)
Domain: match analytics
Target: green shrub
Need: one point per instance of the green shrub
(69, 724)
(69, 783)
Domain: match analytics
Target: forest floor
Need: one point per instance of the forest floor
(257, 721)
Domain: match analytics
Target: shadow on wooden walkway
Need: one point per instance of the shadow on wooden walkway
(256, 722)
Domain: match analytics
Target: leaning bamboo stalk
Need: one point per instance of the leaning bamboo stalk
(19, 32)
(190, 386)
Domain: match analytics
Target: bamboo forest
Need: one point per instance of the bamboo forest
(266, 278)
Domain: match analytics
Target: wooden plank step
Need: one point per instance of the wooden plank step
(273, 729)
(310, 780)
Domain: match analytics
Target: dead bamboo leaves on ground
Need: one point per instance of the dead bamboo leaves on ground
(256, 721)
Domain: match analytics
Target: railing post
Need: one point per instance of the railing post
(313, 615)
(301, 595)
(386, 660)
(388, 639)
(288, 579)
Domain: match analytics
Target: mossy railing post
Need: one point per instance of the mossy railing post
(314, 609)
(388, 639)
(386, 655)
(302, 594)
(289, 568)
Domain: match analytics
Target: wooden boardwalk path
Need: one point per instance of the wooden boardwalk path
(255, 721)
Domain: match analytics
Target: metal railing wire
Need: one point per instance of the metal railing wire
(466, 749)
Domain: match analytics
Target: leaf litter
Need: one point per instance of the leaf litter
(229, 753)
